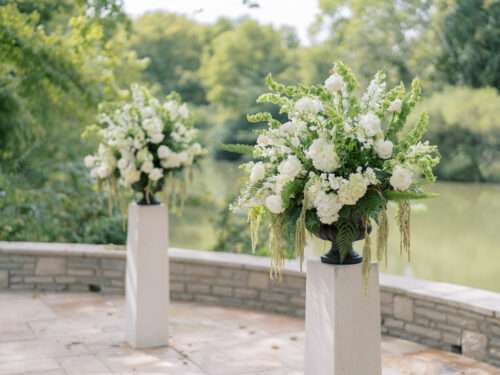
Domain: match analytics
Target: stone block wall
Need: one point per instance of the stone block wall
(450, 317)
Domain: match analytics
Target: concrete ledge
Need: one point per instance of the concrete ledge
(447, 316)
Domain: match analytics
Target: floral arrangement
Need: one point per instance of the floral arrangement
(337, 161)
(145, 145)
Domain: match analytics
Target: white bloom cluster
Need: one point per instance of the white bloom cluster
(332, 150)
(142, 141)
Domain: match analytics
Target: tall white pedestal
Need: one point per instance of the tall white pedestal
(147, 285)
(342, 322)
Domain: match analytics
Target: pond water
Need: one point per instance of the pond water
(455, 237)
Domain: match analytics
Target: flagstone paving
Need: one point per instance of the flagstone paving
(66, 334)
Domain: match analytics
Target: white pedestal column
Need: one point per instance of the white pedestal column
(147, 285)
(342, 322)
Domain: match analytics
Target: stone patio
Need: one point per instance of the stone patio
(82, 334)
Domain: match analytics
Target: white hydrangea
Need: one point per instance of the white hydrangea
(274, 204)
(290, 167)
(334, 83)
(353, 189)
(327, 207)
(370, 124)
(323, 155)
(383, 148)
(401, 178)
(309, 105)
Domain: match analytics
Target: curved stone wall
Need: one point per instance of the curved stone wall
(450, 317)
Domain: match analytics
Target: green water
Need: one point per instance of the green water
(455, 237)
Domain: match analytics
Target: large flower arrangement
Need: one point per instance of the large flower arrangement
(144, 145)
(337, 161)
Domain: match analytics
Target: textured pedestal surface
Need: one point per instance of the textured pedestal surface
(342, 321)
(147, 287)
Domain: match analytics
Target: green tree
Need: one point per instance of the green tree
(234, 68)
(174, 45)
(398, 37)
(471, 43)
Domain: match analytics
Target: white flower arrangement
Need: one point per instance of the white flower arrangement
(144, 143)
(336, 161)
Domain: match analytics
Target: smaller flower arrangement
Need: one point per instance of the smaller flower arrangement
(145, 145)
(334, 165)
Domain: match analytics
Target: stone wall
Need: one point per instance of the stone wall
(450, 317)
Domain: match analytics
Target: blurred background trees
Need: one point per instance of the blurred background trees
(59, 59)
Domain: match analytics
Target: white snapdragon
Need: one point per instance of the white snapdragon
(308, 104)
(291, 167)
(257, 173)
(395, 106)
(353, 189)
(264, 140)
(323, 155)
(274, 204)
(370, 124)
(401, 178)
(123, 163)
(327, 207)
(383, 148)
(334, 83)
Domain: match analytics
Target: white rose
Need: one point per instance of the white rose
(147, 166)
(155, 174)
(104, 171)
(89, 161)
(274, 204)
(172, 161)
(370, 124)
(291, 167)
(383, 148)
(257, 173)
(163, 152)
(401, 178)
(323, 155)
(157, 138)
(123, 163)
(395, 106)
(263, 140)
(143, 155)
(184, 111)
(196, 149)
(327, 207)
(334, 83)
(308, 105)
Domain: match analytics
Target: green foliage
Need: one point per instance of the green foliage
(174, 46)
